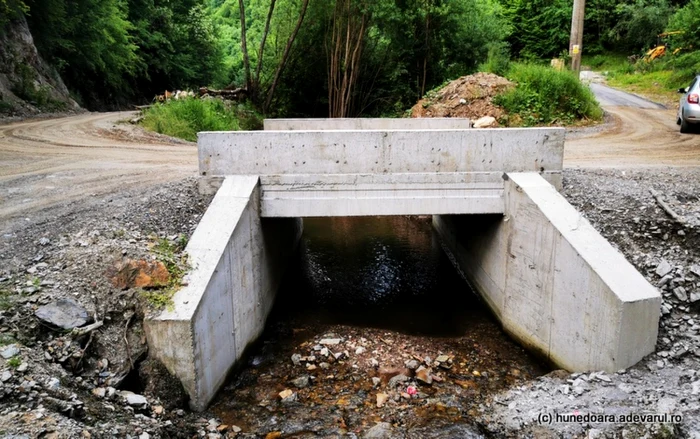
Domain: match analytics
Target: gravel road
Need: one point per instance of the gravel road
(642, 134)
(50, 163)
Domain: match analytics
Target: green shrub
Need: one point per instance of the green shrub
(685, 67)
(545, 96)
(597, 61)
(184, 118)
(498, 60)
(5, 107)
(26, 89)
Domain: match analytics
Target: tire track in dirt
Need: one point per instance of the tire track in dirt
(51, 163)
(639, 137)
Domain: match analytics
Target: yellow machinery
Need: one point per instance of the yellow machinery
(661, 46)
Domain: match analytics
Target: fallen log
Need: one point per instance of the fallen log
(668, 209)
(231, 95)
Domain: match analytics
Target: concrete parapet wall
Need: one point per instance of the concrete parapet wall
(380, 152)
(237, 260)
(444, 123)
(555, 283)
(356, 173)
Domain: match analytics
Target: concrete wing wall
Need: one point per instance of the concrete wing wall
(237, 261)
(555, 283)
(367, 124)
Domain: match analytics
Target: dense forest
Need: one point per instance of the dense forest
(332, 57)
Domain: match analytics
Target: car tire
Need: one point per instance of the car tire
(685, 126)
(678, 121)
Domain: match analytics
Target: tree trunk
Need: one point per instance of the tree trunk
(344, 57)
(256, 81)
(427, 50)
(244, 45)
(285, 55)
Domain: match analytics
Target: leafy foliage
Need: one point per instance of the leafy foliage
(113, 52)
(110, 51)
(410, 46)
(546, 96)
(541, 28)
(11, 9)
(640, 23)
(184, 118)
(687, 20)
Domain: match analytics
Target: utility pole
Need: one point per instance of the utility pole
(576, 42)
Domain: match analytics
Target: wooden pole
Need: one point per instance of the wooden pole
(576, 42)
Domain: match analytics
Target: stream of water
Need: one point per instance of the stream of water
(385, 289)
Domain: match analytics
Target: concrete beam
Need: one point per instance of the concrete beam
(444, 123)
(554, 282)
(237, 262)
(380, 152)
(395, 194)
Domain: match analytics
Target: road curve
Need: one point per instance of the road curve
(48, 163)
(642, 134)
(52, 162)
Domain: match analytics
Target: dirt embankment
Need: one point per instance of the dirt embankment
(469, 97)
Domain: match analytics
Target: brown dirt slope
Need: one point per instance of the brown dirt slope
(469, 96)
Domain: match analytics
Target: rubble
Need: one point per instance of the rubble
(64, 313)
(139, 274)
(469, 96)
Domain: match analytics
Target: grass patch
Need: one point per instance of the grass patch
(184, 118)
(545, 96)
(14, 362)
(5, 107)
(172, 255)
(7, 300)
(6, 340)
(657, 85)
(658, 80)
(605, 62)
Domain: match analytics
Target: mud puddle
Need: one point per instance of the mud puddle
(374, 334)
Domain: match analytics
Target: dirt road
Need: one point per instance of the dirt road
(643, 134)
(51, 163)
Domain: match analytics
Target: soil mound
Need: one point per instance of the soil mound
(469, 96)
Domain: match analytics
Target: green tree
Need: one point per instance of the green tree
(88, 41)
(687, 20)
(639, 23)
(11, 9)
(541, 28)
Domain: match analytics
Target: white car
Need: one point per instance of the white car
(689, 109)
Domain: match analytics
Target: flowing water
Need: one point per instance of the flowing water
(364, 298)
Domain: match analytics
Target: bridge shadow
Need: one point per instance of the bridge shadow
(379, 272)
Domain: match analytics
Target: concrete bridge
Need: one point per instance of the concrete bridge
(556, 285)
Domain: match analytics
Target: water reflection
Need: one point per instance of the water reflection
(388, 272)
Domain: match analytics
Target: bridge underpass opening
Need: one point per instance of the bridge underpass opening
(553, 282)
(386, 290)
